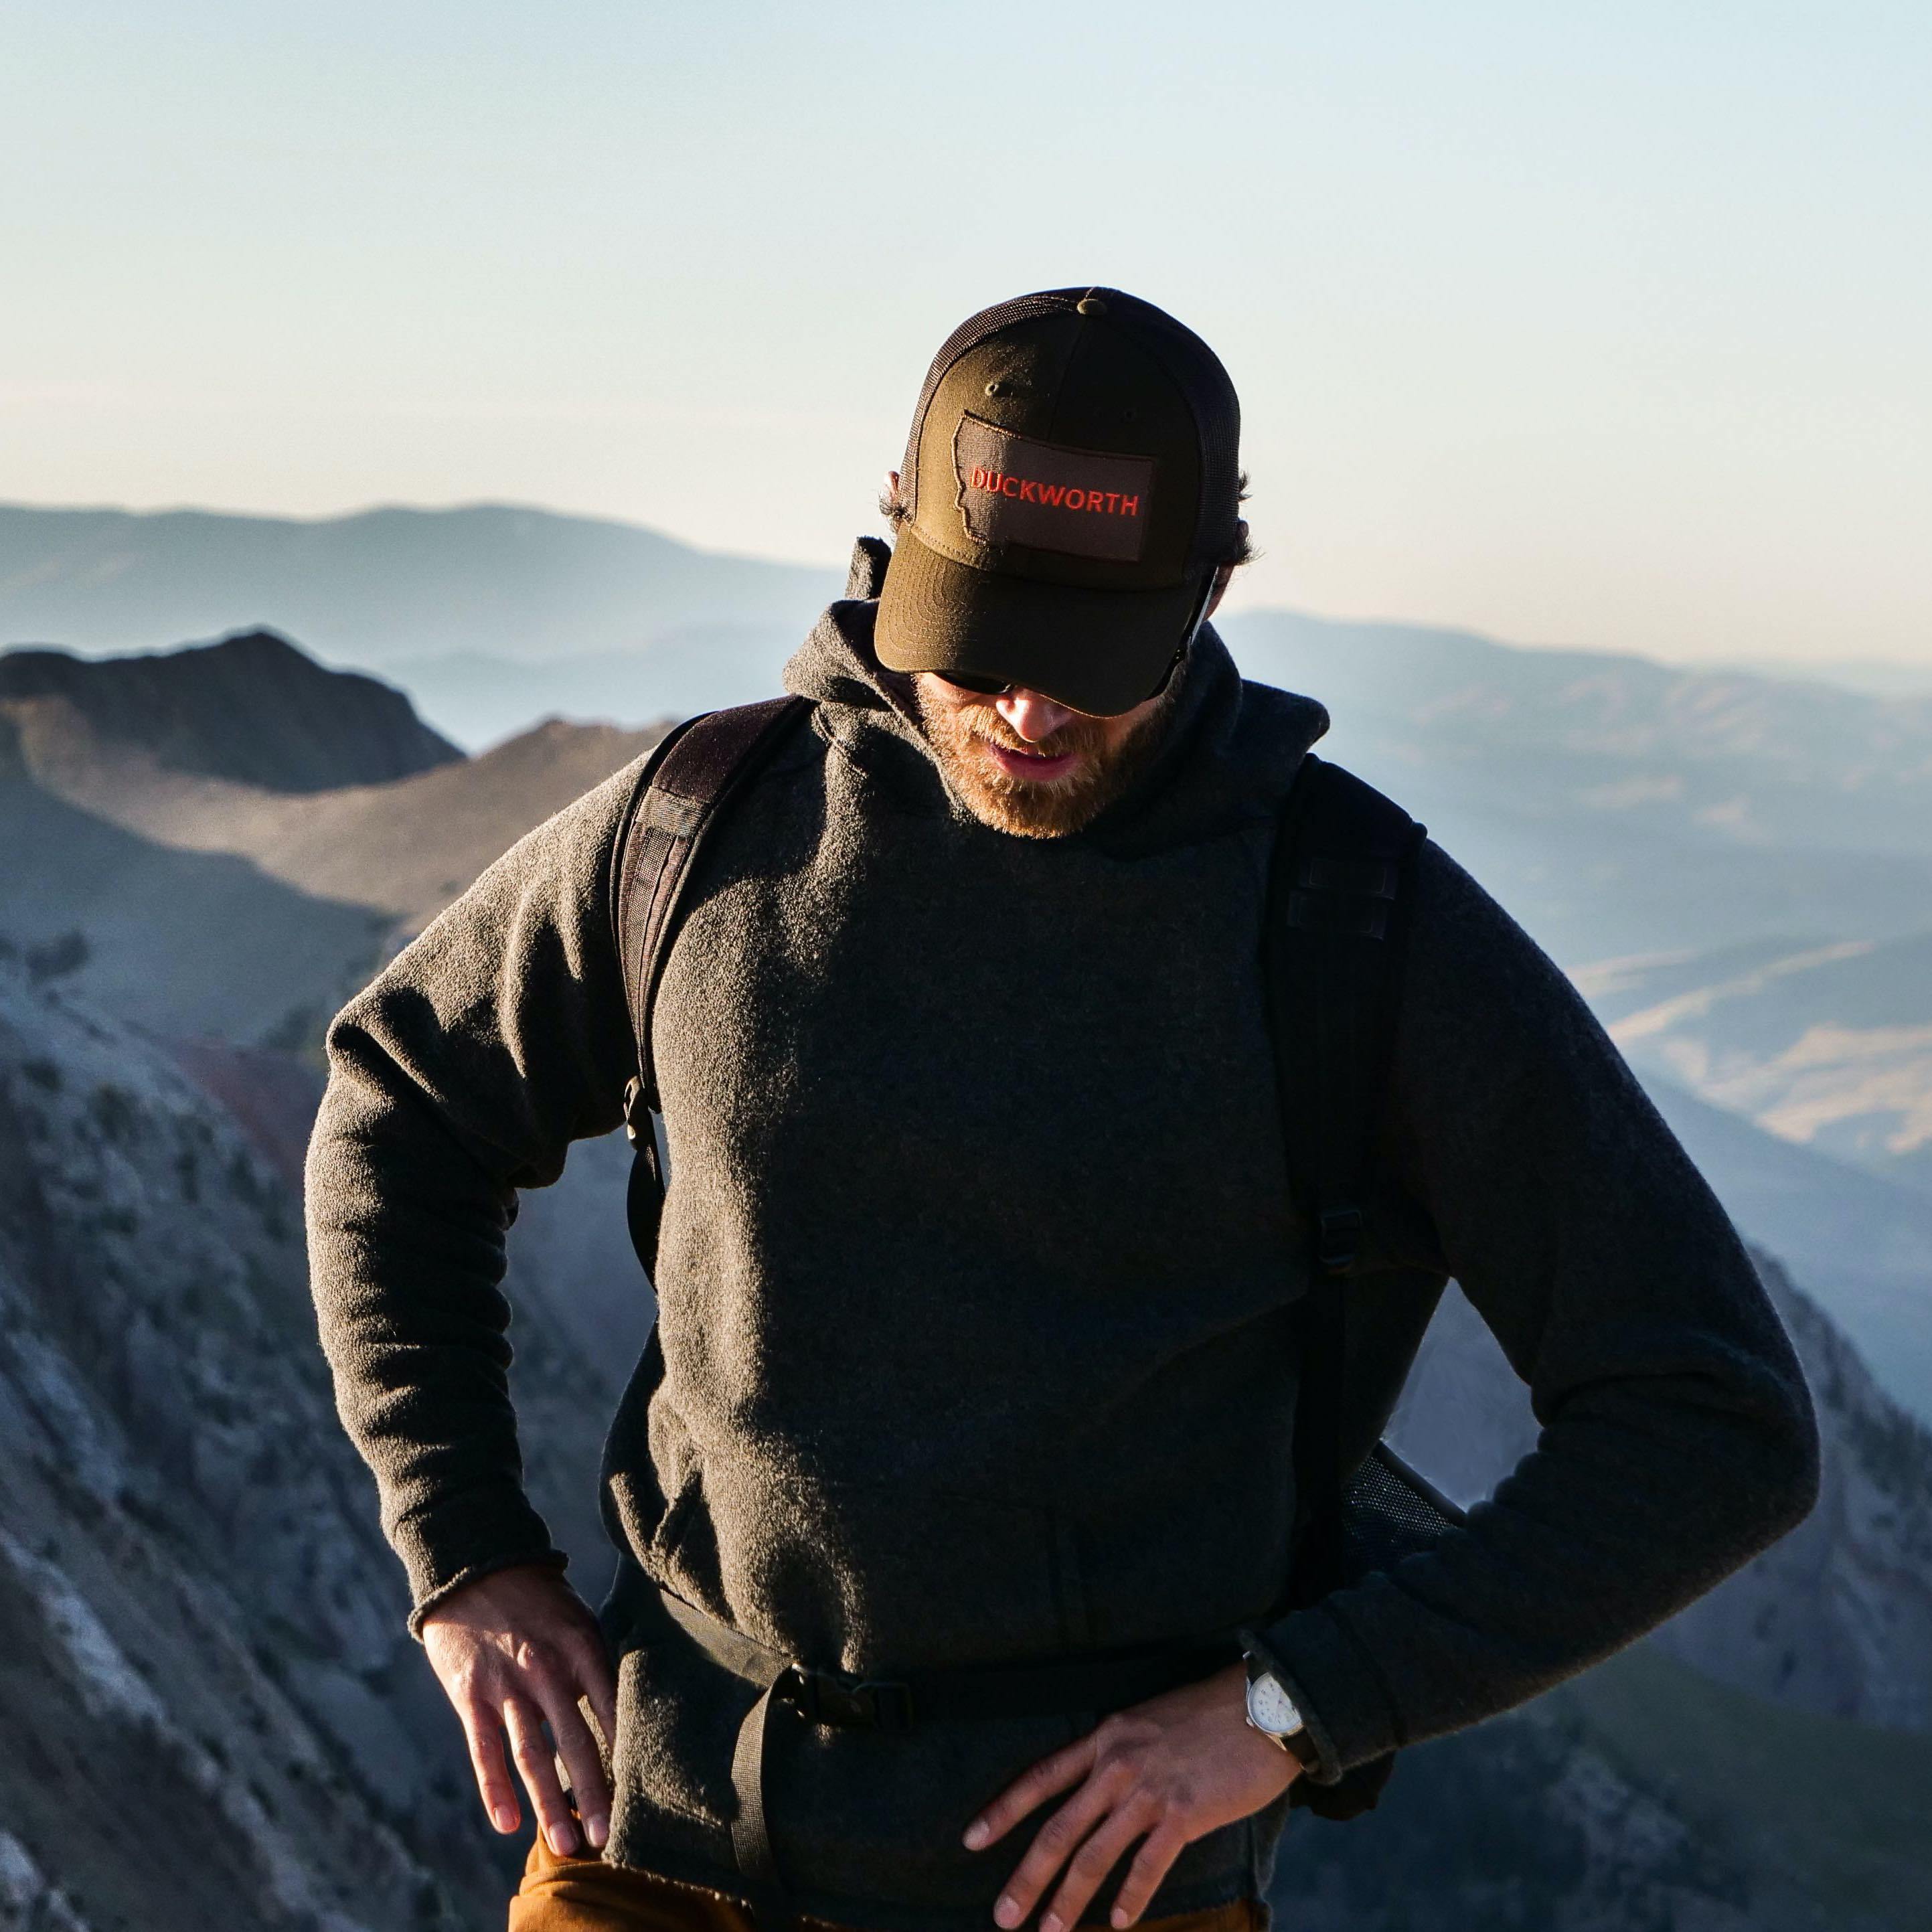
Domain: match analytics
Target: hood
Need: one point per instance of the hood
(1232, 747)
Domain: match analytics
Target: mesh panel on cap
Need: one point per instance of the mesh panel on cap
(970, 334)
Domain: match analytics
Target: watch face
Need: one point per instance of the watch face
(1271, 1706)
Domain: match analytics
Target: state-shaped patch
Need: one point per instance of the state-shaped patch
(1081, 502)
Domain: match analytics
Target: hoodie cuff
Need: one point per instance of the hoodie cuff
(452, 1541)
(1336, 1686)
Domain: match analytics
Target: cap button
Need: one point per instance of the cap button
(1089, 305)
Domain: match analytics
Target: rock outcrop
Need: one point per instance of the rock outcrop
(213, 1715)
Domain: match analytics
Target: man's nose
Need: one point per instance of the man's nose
(1033, 716)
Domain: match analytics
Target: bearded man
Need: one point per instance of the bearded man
(977, 1364)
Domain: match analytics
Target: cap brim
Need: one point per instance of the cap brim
(1099, 651)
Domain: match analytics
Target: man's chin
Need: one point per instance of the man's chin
(1027, 808)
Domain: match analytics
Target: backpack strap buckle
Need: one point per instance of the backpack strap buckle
(637, 1112)
(1338, 1239)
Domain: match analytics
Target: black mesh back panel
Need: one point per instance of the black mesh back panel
(1389, 1512)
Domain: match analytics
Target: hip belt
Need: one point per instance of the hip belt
(901, 1703)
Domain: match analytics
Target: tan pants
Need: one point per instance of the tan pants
(586, 1895)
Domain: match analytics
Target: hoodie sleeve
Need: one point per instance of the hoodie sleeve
(1676, 1435)
(460, 1076)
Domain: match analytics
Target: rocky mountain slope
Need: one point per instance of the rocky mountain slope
(213, 1714)
(1863, 1243)
(1643, 1797)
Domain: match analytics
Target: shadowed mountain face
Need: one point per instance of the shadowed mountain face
(252, 709)
(1863, 1243)
(1643, 1797)
(136, 862)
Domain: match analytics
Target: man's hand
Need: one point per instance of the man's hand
(1166, 1772)
(513, 1651)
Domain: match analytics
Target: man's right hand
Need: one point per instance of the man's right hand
(514, 1650)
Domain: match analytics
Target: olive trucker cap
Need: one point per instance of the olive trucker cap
(1071, 483)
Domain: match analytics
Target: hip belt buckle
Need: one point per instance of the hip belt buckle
(844, 1703)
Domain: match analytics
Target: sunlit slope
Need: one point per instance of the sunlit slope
(1828, 1046)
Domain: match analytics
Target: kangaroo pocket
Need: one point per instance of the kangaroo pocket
(868, 1575)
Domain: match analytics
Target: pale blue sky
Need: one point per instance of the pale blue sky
(1580, 323)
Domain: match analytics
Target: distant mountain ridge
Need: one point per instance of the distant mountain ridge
(382, 584)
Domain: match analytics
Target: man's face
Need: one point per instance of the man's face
(1024, 764)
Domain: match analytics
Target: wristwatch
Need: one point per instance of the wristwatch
(1273, 1713)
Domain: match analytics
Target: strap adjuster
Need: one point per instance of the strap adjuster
(1338, 1238)
(844, 1703)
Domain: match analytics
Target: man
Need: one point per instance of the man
(977, 1272)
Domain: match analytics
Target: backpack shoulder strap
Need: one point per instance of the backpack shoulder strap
(693, 775)
(696, 771)
(1335, 920)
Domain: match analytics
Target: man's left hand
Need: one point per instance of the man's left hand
(1164, 1773)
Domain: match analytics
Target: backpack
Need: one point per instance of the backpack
(1335, 924)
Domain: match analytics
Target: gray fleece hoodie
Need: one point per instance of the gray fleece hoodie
(975, 1283)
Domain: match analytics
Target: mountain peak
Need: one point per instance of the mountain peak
(252, 707)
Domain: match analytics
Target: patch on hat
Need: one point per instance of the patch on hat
(1082, 503)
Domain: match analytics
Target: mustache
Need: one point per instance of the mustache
(1077, 734)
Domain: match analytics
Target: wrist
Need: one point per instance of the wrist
(478, 1592)
(1272, 1710)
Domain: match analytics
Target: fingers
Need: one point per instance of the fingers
(1028, 1792)
(485, 1739)
(1055, 1842)
(1152, 1863)
(582, 1763)
(1087, 1872)
(524, 1723)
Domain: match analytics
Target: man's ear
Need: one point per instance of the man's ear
(1225, 575)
